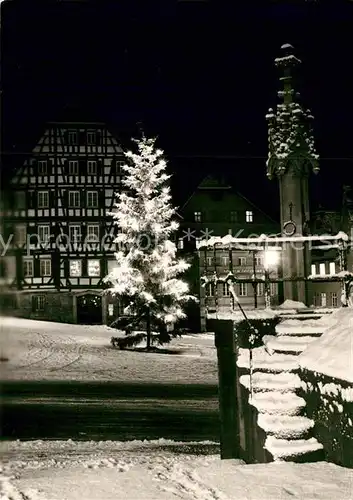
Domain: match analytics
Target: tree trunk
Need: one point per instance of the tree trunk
(148, 328)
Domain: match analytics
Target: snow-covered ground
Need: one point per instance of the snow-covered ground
(157, 470)
(42, 350)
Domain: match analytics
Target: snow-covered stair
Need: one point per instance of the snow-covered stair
(280, 411)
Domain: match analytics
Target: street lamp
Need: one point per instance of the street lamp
(271, 260)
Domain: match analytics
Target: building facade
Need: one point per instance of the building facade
(217, 209)
(58, 237)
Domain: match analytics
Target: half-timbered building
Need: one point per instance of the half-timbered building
(57, 234)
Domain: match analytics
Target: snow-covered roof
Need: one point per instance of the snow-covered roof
(264, 239)
(332, 353)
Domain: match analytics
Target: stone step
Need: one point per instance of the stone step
(263, 361)
(294, 450)
(302, 329)
(284, 426)
(264, 382)
(277, 403)
(285, 344)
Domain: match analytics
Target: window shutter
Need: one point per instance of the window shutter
(82, 167)
(99, 167)
(103, 271)
(34, 303)
(51, 199)
(101, 198)
(82, 138)
(36, 268)
(65, 198)
(83, 196)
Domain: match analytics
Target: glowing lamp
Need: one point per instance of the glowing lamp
(271, 258)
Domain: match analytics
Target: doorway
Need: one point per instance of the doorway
(89, 309)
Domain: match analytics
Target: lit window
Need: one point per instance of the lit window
(28, 268)
(43, 233)
(92, 167)
(198, 216)
(241, 261)
(72, 137)
(243, 289)
(91, 137)
(323, 299)
(94, 268)
(92, 199)
(74, 199)
(45, 267)
(226, 291)
(233, 216)
(334, 301)
(75, 268)
(273, 289)
(43, 199)
(73, 167)
(313, 269)
(42, 167)
(210, 290)
(332, 268)
(249, 216)
(260, 289)
(180, 244)
(75, 233)
(322, 269)
(20, 235)
(93, 233)
(38, 302)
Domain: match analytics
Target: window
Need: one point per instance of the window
(43, 233)
(313, 269)
(209, 261)
(118, 165)
(209, 289)
(334, 300)
(38, 302)
(91, 167)
(45, 267)
(180, 244)
(73, 167)
(259, 261)
(74, 199)
(323, 299)
(20, 235)
(42, 167)
(92, 199)
(273, 289)
(226, 292)
(93, 268)
(75, 268)
(241, 261)
(91, 137)
(322, 269)
(198, 216)
(260, 289)
(75, 233)
(224, 260)
(43, 199)
(20, 199)
(233, 216)
(27, 268)
(332, 268)
(93, 232)
(72, 137)
(249, 216)
(243, 289)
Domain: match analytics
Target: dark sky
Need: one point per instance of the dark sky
(198, 74)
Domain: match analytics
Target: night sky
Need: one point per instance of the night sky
(199, 76)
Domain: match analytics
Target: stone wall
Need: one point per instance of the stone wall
(329, 403)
